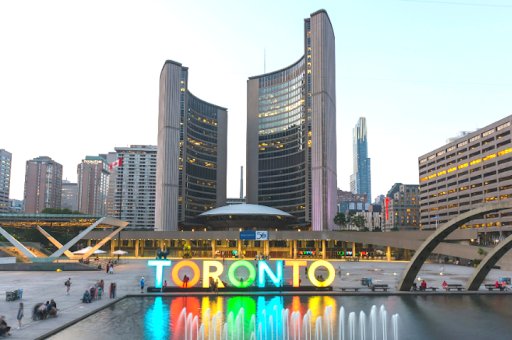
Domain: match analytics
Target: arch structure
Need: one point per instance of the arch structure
(487, 263)
(439, 235)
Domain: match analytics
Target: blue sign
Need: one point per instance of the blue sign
(248, 235)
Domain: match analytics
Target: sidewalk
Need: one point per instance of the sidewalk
(43, 286)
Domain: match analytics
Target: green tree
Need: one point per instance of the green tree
(58, 211)
(340, 219)
(359, 221)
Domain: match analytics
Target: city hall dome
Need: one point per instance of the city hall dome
(246, 216)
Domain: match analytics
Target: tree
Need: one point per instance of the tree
(340, 219)
(58, 211)
(359, 221)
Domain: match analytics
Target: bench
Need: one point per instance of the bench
(14, 295)
(384, 287)
(355, 289)
(491, 287)
(352, 259)
(433, 289)
(454, 286)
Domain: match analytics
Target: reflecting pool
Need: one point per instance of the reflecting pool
(300, 317)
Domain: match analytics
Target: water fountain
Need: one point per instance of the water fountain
(281, 324)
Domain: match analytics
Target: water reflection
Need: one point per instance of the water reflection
(244, 317)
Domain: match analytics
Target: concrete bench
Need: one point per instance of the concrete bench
(383, 287)
(433, 289)
(355, 289)
(492, 287)
(457, 287)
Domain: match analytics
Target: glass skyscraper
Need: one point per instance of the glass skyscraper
(192, 152)
(291, 132)
(361, 179)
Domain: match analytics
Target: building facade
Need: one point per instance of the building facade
(69, 196)
(43, 185)
(348, 201)
(291, 132)
(361, 179)
(192, 152)
(468, 172)
(5, 179)
(401, 207)
(15, 206)
(131, 195)
(93, 176)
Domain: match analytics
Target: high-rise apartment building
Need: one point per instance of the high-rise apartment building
(361, 179)
(69, 196)
(291, 132)
(192, 152)
(401, 207)
(132, 190)
(43, 184)
(93, 178)
(465, 173)
(5, 179)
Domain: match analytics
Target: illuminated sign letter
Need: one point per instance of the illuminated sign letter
(330, 270)
(295, 264)
(214, 275)
(159, 270)
(263, 268)
(242, 283)
(192, 281)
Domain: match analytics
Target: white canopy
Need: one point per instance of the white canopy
(119, 252)
(86, 249)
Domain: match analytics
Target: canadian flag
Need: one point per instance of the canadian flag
(116, 163)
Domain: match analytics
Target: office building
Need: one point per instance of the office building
(15, 206)
(465, 173)
(361, 180)
(401, 207)
(43, 185)
(69, 196)
(192, 152)
(93, 178)
(132, 189)
(5, 179)
(350, 202)
(291, 132)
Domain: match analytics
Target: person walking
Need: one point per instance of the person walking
(142, 281)
(20, 315)
(68, 285)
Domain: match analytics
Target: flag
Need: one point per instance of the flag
(116, 163)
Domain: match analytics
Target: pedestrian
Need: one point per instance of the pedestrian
(423, 285)
(165, 283)
(20, 315)
(68, 285)
(142, 281)
(107, 267)
(111, 269)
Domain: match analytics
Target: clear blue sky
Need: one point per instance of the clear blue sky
(79, 78)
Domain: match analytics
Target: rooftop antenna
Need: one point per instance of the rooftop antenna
(242, 182)
(264, 61)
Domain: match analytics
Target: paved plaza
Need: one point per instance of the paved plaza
(42, 286)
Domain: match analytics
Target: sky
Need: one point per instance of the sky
(79, 78)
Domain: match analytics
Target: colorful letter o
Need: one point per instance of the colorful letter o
(232, 271)
(330, 269)
(176, 270)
